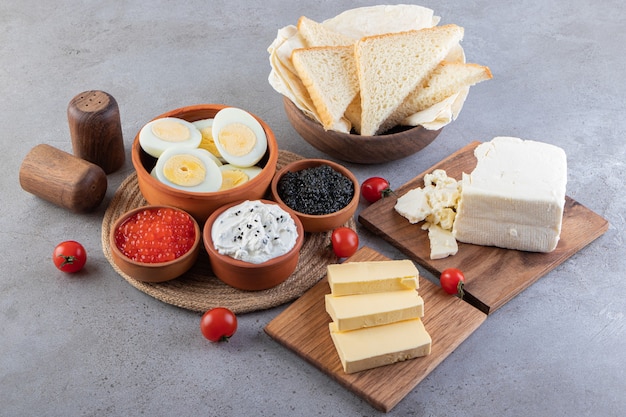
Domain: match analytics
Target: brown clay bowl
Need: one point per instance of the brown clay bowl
(153, 272)
(324, 222)
(201, 205)
(245, 275)
(398, 143)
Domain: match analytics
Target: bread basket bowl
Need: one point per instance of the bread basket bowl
(398, 143)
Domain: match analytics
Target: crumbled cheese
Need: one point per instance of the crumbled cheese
(435, 203)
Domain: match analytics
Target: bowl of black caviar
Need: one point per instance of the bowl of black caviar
(323, 194)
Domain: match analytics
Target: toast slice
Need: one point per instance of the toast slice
(390, 66)
(329, 75)
(316, 34)
(447, 79)
(353, 114)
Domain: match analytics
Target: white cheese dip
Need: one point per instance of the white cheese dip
(254, 232)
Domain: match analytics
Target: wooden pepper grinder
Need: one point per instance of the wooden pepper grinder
(96, 130)
(63, 179)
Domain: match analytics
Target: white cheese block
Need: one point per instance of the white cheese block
(367, 310)
(371, 277)
(372, 347)
(515, 196)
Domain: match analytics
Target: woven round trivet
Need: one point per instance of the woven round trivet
(198, 289)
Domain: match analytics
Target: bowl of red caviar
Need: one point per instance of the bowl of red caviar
(155, 243)
(323, 194)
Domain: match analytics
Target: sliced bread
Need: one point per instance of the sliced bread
(353, 114)
(447, 78)
(329, 75)
(315, 34)
(390, 66)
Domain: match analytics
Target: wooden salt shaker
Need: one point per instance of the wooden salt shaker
(96, 130)
(63, 179)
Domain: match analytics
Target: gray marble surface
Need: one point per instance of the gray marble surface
(92, 345)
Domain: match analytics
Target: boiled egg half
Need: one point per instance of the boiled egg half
(189, 169)
(205, 126)
(233, 176)
(167, 132)
(239, 137)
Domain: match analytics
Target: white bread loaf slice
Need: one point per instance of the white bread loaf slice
(315, 34)
(390, 66)
(329, 75)
(353, 114)
(447, 78)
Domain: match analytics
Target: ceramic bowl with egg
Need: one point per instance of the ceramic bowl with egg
(155, 243)
(396, 144)
(253, 244)
(322, 193)
(200, 157)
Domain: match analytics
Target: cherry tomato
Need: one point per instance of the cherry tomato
(218, 324)
(344, 242)
(69, 256)
(452, 281)
(375, 188)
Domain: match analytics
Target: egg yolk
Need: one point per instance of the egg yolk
(231, 178)
(171, 131)
(237, 139)
(207, 141)
(184, 170)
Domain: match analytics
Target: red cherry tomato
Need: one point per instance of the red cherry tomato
(344, 242)
(218, 324)
(375, 188)
(69, 256)
(452, 281)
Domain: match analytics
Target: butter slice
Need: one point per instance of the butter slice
(372, 347)
(367, 310)
(351, 278)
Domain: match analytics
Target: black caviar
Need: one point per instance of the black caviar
(317, 190)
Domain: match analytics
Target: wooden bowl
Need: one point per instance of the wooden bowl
(324, 222)
(249, 276)
(201, 205)
(153, 272)
(398, 143)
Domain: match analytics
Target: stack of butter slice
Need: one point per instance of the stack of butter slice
(376, 312)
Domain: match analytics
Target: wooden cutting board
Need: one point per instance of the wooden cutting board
(303, 328)
(493, 275)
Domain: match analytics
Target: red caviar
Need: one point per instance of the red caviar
(156, 235)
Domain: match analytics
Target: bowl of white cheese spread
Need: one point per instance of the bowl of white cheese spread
(253, 244)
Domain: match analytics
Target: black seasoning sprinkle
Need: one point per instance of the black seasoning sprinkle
(318, 190)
